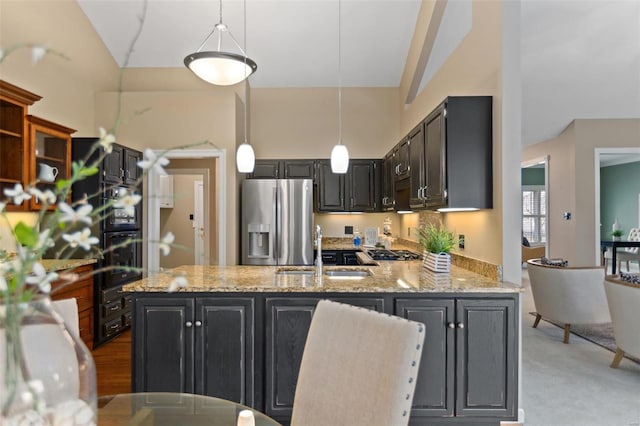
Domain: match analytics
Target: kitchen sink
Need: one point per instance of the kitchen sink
(348, 272)
(287, 271)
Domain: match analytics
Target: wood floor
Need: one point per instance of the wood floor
(113, 365)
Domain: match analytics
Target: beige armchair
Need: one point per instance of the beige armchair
(568, 295)
(533, 252)
(359, 367)
(624, 303)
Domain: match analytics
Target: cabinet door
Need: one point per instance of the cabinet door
(50, 153)
(362, 185)
(112, 171)
(417, 169)
(388, 180)
(224, 356)
(486, 370)
(163, 345)
(299, 169)
(331, 189)
(287, 325)
(434, 393)
(265, 169)
(402, 165)
(132, 173)
(435, 155)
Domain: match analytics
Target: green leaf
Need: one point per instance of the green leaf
(62, 184)
(26, 235)
(88, 171)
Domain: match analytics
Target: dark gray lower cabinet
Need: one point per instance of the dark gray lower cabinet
(202, 345)
(248, 349)
(468, 368)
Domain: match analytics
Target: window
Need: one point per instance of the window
(534, 214)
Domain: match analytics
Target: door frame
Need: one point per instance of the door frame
(200, 211)
(153, 203)
(525, 164)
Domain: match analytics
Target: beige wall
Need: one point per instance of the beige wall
(177, 221)
(572, 182)
(474, 68)
(303, 122)
(333, 224)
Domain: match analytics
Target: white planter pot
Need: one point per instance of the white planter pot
(440, 262)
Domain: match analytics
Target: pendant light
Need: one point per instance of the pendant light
(245, 157)
(218, 67)
(339, 153)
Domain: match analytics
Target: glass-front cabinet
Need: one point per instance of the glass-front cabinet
(50, 153)
(14, 138)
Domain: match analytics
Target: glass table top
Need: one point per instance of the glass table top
(149, 408)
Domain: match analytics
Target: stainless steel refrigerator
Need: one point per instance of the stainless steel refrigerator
(277, 222)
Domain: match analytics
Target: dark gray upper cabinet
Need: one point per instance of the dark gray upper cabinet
(131, 170)
(433, 192)
(357, 190)
(265, 169)
(388, 180)
(467, 135)
(331, 189)
(283, 169)
(402, 161)
(363, 184)
(417, 167)
(112, 171)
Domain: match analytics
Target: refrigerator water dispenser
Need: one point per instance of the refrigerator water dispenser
(259, 240)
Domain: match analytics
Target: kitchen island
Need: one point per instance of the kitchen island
(238, 332)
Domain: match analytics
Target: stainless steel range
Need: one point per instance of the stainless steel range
(382, 254)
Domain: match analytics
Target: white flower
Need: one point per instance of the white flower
(2, 206)
(176, 283)
(44, 241)
(81, 238)
(127, 202)
(82, 214)
(3, 283)
(18, 194)
(41, 277)
(47, 196)
(37, 53)
(165, 244)
(151, 161)
(106, 140)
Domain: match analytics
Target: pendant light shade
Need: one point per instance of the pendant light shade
(339, 159)
(339, 154)
(245, 158)
(218, 67)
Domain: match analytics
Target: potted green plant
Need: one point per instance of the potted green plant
(436, 243)
(617, 235)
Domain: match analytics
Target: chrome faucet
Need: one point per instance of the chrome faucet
(318, 251)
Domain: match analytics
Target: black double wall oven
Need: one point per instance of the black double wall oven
(120, 234)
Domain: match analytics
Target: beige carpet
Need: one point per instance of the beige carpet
(600, 334)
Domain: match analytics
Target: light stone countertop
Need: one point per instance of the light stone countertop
(389, 277)
(53, 265)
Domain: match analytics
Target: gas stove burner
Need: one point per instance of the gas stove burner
(381, 254)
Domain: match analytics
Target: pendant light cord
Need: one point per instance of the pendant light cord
(246, 83)
(339, 78)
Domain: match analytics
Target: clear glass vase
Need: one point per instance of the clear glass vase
(47, 374)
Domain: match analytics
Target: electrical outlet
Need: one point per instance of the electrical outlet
(461, 241)
(566, 215)
(348, 230)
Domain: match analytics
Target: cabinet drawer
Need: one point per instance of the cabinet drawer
(126, 319)
(112, 327)
(111, 295)
(111, 308)
(82, 293)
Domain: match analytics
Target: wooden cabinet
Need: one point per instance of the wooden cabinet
(357, 190)
(435, 152)
(14, 138)
(468, 367)
(283, 169)
(417, 167)
(402, 160)
(287, 325)
(388, 182)
(82, 291)
(197, 345)
(49, 155)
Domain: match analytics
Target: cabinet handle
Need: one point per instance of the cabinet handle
(420, 193)
(188, 324)
(451, 325)
(460, 325)
(114, 308)
(198, 323)
(426, 190)
(121, 173)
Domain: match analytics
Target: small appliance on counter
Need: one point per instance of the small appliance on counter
(370, 236)
(382, 254)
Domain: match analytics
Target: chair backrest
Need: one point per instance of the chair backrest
(569, 295)
(624, 304)
(634, 235)
(68, 310)
(359, 367)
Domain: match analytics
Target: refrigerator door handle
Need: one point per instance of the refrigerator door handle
(277, 214)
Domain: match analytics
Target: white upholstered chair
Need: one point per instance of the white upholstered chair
(359, 367)
(624, 305)
(625, 254)
(568, 295)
